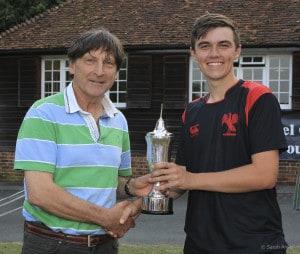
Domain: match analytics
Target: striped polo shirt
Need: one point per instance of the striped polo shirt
(58, 137)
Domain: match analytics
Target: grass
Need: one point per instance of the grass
(15, 248)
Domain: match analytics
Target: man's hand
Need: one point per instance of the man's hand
(131, 211)
(113, 225)
(141, 186)
(170, 175)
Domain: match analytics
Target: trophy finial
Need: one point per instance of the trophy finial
(160, 124)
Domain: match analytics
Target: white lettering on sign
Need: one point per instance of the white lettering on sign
(293, 149)
(289, 130)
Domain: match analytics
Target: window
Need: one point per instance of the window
(56, 76)
(199, 87)
(118, 92)
(280, 76)
(274, 71)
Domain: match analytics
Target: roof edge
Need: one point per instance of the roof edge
(35, 51)
(151, 47)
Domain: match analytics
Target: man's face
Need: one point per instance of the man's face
(94, 73)
(215, 53)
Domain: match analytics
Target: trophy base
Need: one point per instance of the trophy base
(157, 205)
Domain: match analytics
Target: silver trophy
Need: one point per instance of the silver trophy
(158, 142)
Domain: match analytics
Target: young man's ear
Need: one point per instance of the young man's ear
(238, 51)
(192, 52)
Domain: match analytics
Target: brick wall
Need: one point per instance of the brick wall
(287, 169)
(139, 164)
(7, 173)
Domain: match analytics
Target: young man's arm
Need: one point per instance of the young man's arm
(260, 174)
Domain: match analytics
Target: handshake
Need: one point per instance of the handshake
(121, 217)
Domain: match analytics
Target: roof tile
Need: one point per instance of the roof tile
(156, 23)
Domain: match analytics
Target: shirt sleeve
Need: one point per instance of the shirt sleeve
(265, 127)
(125, 166)
(36, 147)
(180, 156)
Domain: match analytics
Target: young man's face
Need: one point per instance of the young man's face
(215, 53)
(94, 73)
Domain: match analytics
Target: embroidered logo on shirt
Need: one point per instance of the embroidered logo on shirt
(230, 120)
(194, 130)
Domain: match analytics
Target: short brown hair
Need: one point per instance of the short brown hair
(213, 20)
(96, 39)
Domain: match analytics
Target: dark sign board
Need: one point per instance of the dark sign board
(291, 128)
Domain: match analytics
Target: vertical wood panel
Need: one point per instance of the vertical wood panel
(19, 82)
(296, 81)
(175, 81)
(139, 83)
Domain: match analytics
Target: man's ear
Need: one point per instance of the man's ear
(72, 67)
(192, 52)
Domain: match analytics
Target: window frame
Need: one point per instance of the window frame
(117, 81)
(62, 71)
(265, 72)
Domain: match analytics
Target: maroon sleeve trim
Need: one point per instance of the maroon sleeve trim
(255, 92)
(183, 116)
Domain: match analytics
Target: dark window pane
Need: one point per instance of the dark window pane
(124, 64)
(257, 59)
(48, 76)
(56, 76)
(122, 86)
(56, 65)
(56, 87)
(247, 59)
(47, 87)
(48, 65)
(113, 97)
(122, 97)
(122, 75)
(196, 86)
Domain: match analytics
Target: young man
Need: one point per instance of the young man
(74, 148)
(228, 155)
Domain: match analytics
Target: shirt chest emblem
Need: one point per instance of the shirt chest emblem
(194, 130)
(229, 122)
